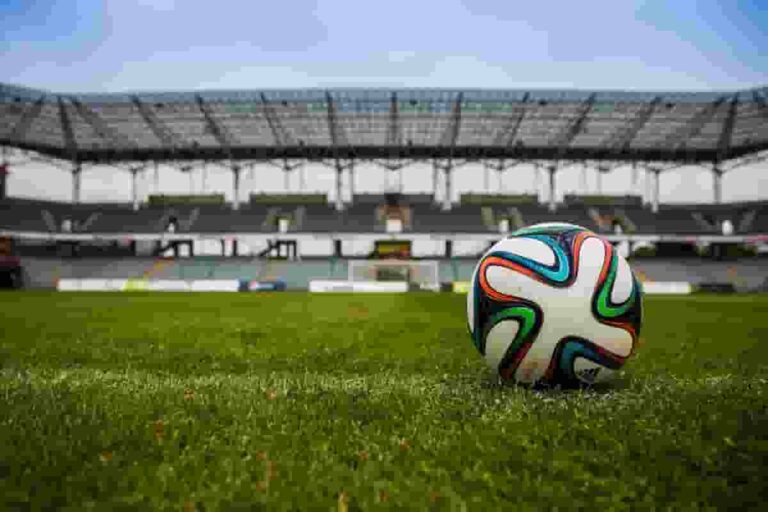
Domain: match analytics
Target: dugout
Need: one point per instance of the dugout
(11, 271)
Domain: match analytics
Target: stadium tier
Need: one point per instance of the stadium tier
(369, 216)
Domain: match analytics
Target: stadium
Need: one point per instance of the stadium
(303, 345)
(350, 131)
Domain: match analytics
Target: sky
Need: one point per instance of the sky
(151, 45)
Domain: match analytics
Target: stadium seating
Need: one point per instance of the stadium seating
(367, 216)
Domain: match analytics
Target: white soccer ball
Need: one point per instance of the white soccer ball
(554, 304)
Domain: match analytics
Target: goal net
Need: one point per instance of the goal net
(419, 274)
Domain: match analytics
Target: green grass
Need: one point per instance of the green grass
(285, 401)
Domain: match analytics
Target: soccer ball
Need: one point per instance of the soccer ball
(554, 305)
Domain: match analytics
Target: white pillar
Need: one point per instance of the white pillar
(4, 178)
(487, 180)
(635, 177)
(76, 173)
(447, 197)
(157, 178)
(655, 198)
(717, 184)
(434, 181)
(351, 183)
(134, 188)
(339, 199)
(552, 206)
(236, 187)
(599, 180)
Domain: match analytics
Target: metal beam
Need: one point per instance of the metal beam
(165, 135)
(451, 133)
(25, 121)
(421, 152)
(219, 131)
(280, 135)
(70, 144)
(98, 124)
(726, 134)
(564, 138)
(761, 106)
(680, 137)
(621, 138)
(509, 132)
(393, 129)
(336, 136)
(552, 169)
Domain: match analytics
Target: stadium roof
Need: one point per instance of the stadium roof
(381, 123)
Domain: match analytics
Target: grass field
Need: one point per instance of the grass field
(338, 402)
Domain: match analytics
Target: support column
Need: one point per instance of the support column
(76, 172)
(447, 198)
(552, 205)
(599, 180)
(3, 180)
(236, 187)
(449, 248)
(134, 191)
(351, 183)
(487, 180)
(234, 247)
(157, 178)
(717, 184)
(339, 199)
(655, 198)
(435, 169)
(635, 177)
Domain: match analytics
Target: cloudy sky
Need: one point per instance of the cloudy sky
(139, 45)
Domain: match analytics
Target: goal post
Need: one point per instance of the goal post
(419, 274)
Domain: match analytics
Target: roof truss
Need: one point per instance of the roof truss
(680, 137)
(106, 132)
(621, 138)
(564, 138)
(29, 114)
(280, 135)
(726, 134)
(217, 128)
(70, 143)
(505, 136)
(165, 135)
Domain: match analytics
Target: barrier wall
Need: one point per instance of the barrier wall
(328, 286)
(166, 285)
(41, 272)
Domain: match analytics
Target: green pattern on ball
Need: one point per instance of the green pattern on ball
(550, 229)
(527, 321)
(604, 307)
